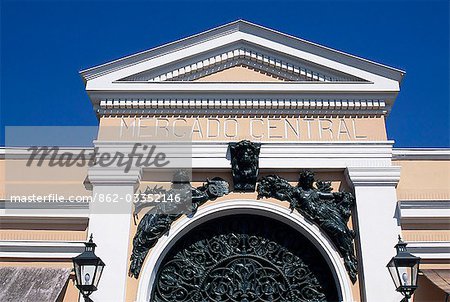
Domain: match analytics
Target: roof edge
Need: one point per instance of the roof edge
(323, 47)
(222, 29)
(421, 153)
(246, 27)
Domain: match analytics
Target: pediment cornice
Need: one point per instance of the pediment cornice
(306, 72)
(246, 29)
(239, 105)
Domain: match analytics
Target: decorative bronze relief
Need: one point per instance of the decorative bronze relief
(313, 199)
(329, 210)
(244, 165)
(157, 221)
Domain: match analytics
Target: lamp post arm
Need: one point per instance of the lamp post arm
(87, 299)
(406, 298)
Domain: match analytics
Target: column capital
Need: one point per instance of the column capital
(101, 176)
(373, 176)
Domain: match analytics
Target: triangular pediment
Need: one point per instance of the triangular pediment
(238, 58)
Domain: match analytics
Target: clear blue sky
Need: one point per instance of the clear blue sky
(45, 43)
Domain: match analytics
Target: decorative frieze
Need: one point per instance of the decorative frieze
(241, 106)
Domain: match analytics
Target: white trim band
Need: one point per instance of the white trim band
(40, 249)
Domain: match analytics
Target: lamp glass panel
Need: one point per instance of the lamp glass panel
(394, 273)
(87, 274)
(77, 273)
(98, 275)
(414, 273)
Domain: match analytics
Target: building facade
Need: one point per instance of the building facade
(296, 193)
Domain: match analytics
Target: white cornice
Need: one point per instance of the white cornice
(243, 27)
(424, 204)
(374, 176)
(430, 250)
(40, 249)
(278, 155)
(397, 153)
(61, 221)
(421, 153)
(241, 106)
(63, 206)
(307, 87)
(425, 211)
(25, 152)
(237, 112)
(330, 76)
(112, 176)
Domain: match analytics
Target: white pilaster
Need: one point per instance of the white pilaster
(110, 224)
(376, 203)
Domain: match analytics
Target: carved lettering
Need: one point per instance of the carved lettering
(230, 124)
(325, 126)
(343, 129)
(196, 128)
(257, 128)
(125, 126)
(308, 123)
(272, 127)
(162, 124)
(252, 128)
(357, 136)
(177, 125)
(295, 130)
(209, 125)
(146, 128)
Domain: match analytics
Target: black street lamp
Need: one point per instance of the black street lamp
(404, 269)
(88, 270)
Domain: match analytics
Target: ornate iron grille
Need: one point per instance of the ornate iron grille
(244, 258)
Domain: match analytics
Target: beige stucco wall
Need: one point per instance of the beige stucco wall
(44, 228)
(2, 178)
(424, 179)
(239, 74)
(235, 128)
(433, 235)
(16, 177)
(23, 180)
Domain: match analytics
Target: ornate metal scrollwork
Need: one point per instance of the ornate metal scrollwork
(329, 210)
(243, 258)
(244, 165)
(157, 221)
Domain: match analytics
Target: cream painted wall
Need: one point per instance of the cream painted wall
(237, 127)
(424, 179)
(239, 74)
(16, 178)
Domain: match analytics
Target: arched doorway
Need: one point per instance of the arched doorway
(244, 258)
